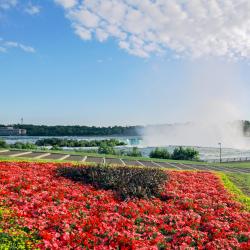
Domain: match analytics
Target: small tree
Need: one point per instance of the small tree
(3, 144)
(160, 153)
(135, 152)
(181, 153)
(106, 149)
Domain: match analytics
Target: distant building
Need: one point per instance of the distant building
(7, 131)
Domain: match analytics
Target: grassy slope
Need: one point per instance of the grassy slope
(236, 190)
(242, 181)
(231, 164)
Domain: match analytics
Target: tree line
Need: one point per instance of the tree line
(59, 142)
(179, 153)
(43, 130)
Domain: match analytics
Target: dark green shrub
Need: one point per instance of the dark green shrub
(21, 145)
(56, 148)
(160, 153)
(106, 149)
(181, 153)
(135, 152)
(3, 144)
(126, 181)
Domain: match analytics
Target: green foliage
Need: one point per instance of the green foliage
(3, 144)
(77, 143)
(246, 128)
(106, 149)
(21, 145)
(42, 130)
(134, 153)
(242, 181)
(181, 153)
(160, 153)
(56, 148)
(126, 181)
(13, 236)
(235, 191)
(12, 242)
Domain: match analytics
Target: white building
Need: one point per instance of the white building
(7, 131)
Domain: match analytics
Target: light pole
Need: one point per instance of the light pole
(220, 151)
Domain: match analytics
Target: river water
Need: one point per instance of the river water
(206, 153)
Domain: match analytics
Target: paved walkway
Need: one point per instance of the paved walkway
(124, 162)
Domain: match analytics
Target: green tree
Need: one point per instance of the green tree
(181, 153)
(135, 152)
(106, 149)
(160, 153)
(3, 144)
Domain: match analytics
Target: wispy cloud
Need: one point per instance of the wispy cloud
(2, 49)
(192, 28)
(27, 7)
(67, 4)
(5, 46)
(32, 9)
(7, 4)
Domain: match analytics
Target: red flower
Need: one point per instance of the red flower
(68, 215)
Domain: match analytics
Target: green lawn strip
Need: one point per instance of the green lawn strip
(235, 164)
(230, 164)
(242, 181)
(109, 156)
(23, 159)
(74, 163)
(235, 190)
(26, 159)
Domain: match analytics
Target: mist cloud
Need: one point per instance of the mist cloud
(215, 103)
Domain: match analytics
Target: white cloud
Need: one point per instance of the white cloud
(7, 4)
(82, 32)
(32, 9)
(67, 4)
(143, 27)
(26, 48)
(7, 45)
(29, 8)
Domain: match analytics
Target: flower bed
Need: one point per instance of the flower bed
(61, 214)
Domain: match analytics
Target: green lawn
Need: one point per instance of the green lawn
(238, 186)
(242, 181)
(231, 164)
(236, 164)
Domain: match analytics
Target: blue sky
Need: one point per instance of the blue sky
(56, 68)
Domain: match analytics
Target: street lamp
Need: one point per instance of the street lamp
(220, 151)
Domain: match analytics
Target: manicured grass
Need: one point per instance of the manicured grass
(230, 164)
(236, 164)
(112, 156)
(242, 181)
(236, 191)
